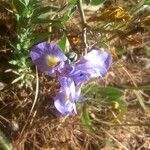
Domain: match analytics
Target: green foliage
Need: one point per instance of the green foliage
(64, 43)
(147, 2)
(28, 15)
(37, 37)
(96, 2)
(4, 142)
(93, 2)
(101, 97)
(110, 93)
(85, 118)
(43, 10)
(140, 99)
(73, 2)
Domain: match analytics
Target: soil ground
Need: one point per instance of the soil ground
(44, 130)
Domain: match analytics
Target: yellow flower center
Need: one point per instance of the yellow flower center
(51, 61)
(66, 97)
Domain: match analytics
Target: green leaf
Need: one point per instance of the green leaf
(13, 62)
(111, 93)
(18, 79)
(4, 142)
(20, 6)
(64, 18)
(140, 99)
(64, 43)
(137, 6)
(73, 2)
(26, 2)
(33, 2)
(39, 37)
(42, 10)
(41, 21)
(147, 2)
(85, 119)
(16, 63)
(96, 2)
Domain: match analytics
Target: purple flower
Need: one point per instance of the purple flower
(52, 61)
(94, 64)
(70, 71)
(67, 96)
(48, 58)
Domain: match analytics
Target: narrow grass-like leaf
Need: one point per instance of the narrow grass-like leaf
(64, 43)
(85, 119)
(73, 2)
(64, 18)
(13, 62)
(111, 93)
(42, 10)
(18, 79)
(96, 2)
(140, 99)
(20, 6)
(4, 142)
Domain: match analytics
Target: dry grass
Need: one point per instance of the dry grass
(36, 126)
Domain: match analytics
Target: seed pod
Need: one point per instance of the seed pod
(72, 56)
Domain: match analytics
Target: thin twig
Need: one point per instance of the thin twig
(109, 124)
(141, 146)
(112, 137)
(63, 120)
(4, 119)
(124, 127)
(36, 92)
(137, 92)
(34, 102)
(84, 25)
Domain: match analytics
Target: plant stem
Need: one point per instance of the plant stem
(83, 22)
